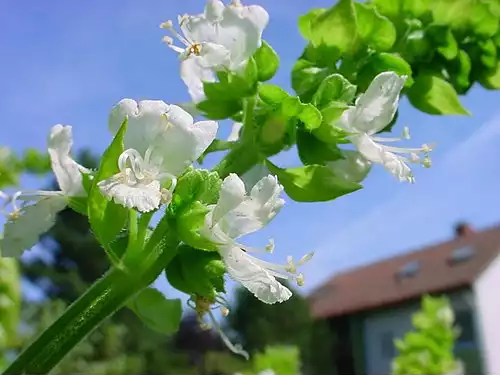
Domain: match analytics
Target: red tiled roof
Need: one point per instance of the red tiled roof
(378, 285)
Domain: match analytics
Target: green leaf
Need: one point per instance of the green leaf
(157, 312)
(189, 223)
(197, 185)
(310, 116)
(306, 78)
(327, 132)
(197, 272)
(250, 75)
(219, 109)
(107, 218)
(491, 79)
(272, 94)
(267, 61)
(446, 43)
(291, 106)
(435, 96)
(390, 8)
(36, 162)
(460, 70)
(312, 183)
(336, 27)
(306, 21)
(375, 30)
(415, 8)
(383, 62)
(484, 22)
(488, 53)
(313, 151)
(453, 13)
(334, 88)
(79, 204)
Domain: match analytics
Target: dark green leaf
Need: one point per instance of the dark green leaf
(446, 43)
(383, 62)
(219, 109)
(491, 79)
(312, 183)
(459, 70)
(435, 96)
(375, 30)
(483, 21)
(416, 8)
(291, 106)
(267, 61)
(313, 151)
(327, 132)
(157, 312)
(306, 77)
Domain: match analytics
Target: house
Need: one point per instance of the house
(368, 307)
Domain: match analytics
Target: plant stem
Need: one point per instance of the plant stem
(99, 302)
(245, 155)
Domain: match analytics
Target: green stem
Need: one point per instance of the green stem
(248, 135)
(99, 302)
(245, 155)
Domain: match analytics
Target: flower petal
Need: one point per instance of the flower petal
(23, 232)
(145, 122)
(232, 194)
(240, 32)
(375, 108)
(355, 167)
(376, 153)
(183, 142)
(253, 277)
(193, 73)
(235, 132)
(67, 171)
(143, 197)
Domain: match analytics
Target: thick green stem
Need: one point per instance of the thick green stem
(245, 155)
(99, 302)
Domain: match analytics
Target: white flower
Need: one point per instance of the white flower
(235, 132)
(222, 38)
(373, 111)
(237, 214)
(37, 214)
(354, 167)
(161, 141)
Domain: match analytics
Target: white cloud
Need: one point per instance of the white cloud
(462, 185)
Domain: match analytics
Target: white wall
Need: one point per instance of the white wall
(379, 328)
(487, 291)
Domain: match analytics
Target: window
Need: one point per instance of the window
(387, 345)
(410, 269)
(462, 254)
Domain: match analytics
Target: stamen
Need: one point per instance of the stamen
(270, 246)
(406, 132)
(166, 196)
(224, 311)
(300, 279)
(306, 258)
(235, 348)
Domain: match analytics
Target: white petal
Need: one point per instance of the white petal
(193, 73)
(214, 56)
(254, 175)
(266, 193)
(355, 167)
(253, 277)
(23, 232)
(183, 142)
(145, 122)
(376, 107)
(376, 153)
(235, 132)
(232, 194)
(67, 170)
(241, 32)
(143, 197)
(213, 10)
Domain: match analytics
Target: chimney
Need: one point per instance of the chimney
(463, 229)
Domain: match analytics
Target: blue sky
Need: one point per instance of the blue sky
(70, 62)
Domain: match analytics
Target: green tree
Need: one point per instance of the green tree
(428, 349)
